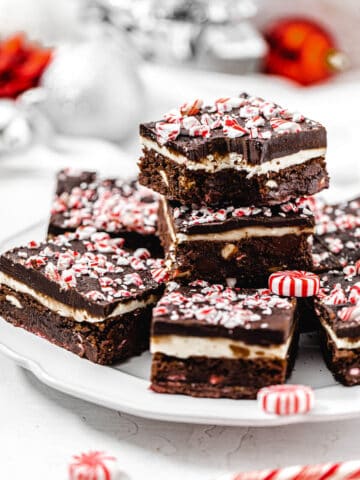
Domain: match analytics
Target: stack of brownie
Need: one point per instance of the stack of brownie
(236, 179)
(336, 309)
(233, 175)
(91, 286)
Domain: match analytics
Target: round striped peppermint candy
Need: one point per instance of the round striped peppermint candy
(294, 283)
(286, 399)
(94, 466)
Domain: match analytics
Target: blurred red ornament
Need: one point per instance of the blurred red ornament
(302, 50)
(21, 65)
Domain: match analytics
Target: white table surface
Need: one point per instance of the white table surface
(40, 429)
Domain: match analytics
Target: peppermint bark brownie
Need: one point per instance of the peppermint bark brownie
(119, 207)
(323, 259)
(238, 245)
(240, 150)
(337, 217)
(208, 340)
(338, 230)
(338, 311)
(84, 292)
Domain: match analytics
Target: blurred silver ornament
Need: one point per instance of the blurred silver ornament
(92, 89)
(16, 130)
(211, 34)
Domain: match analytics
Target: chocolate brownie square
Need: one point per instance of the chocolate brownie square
(84, 292)
(323, 259)
(342, 216)
(338, 309)
(238, 245)
(344, 245)
(208, 340)
(118, 207)
(240, 150)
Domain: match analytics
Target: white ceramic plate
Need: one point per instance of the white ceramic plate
(125, 387)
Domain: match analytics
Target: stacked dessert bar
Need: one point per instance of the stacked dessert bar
(230, 198)
(118, 207)
(91, 286)
(337, 306)
(83, 291)
(233, 175)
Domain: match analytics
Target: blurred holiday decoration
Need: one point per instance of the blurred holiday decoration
(198, 33)
(303, 51)
(89, 88)
(21, 65)
(16, 130)
(48, 22)
(92, 89)
(94, 466)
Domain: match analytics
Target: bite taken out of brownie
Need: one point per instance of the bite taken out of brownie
(239, 150)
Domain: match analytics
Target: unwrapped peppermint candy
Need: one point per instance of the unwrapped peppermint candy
(286, 399)
(294, 283)
(94, 466)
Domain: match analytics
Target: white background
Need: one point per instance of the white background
(40, 428)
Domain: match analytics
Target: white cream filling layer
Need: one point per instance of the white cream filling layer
(241, 233)
(185, 347)
(232, 235)
(234, 160)
(341, 343)
(79, 315)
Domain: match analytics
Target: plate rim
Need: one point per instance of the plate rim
(10, 346)
(126, 404)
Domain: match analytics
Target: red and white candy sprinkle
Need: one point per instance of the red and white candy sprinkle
(294, 283)
(286, 399)
(242, 115)
(330, 471)
(350, 314)
(191, 108)
(196, 216)
(114, 272)
(109, 206)
(167, 131)
(94, 466)
(217, 304)
(232, 128)
(284, 126)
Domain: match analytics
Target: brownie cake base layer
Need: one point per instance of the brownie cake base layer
(219, 377)
(344, 364)
(250, 260)
(176, 182)
(104, 342)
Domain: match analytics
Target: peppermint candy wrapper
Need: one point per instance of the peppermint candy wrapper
(329, 471)
(294, 283)
(94, 466)
(286, 399)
